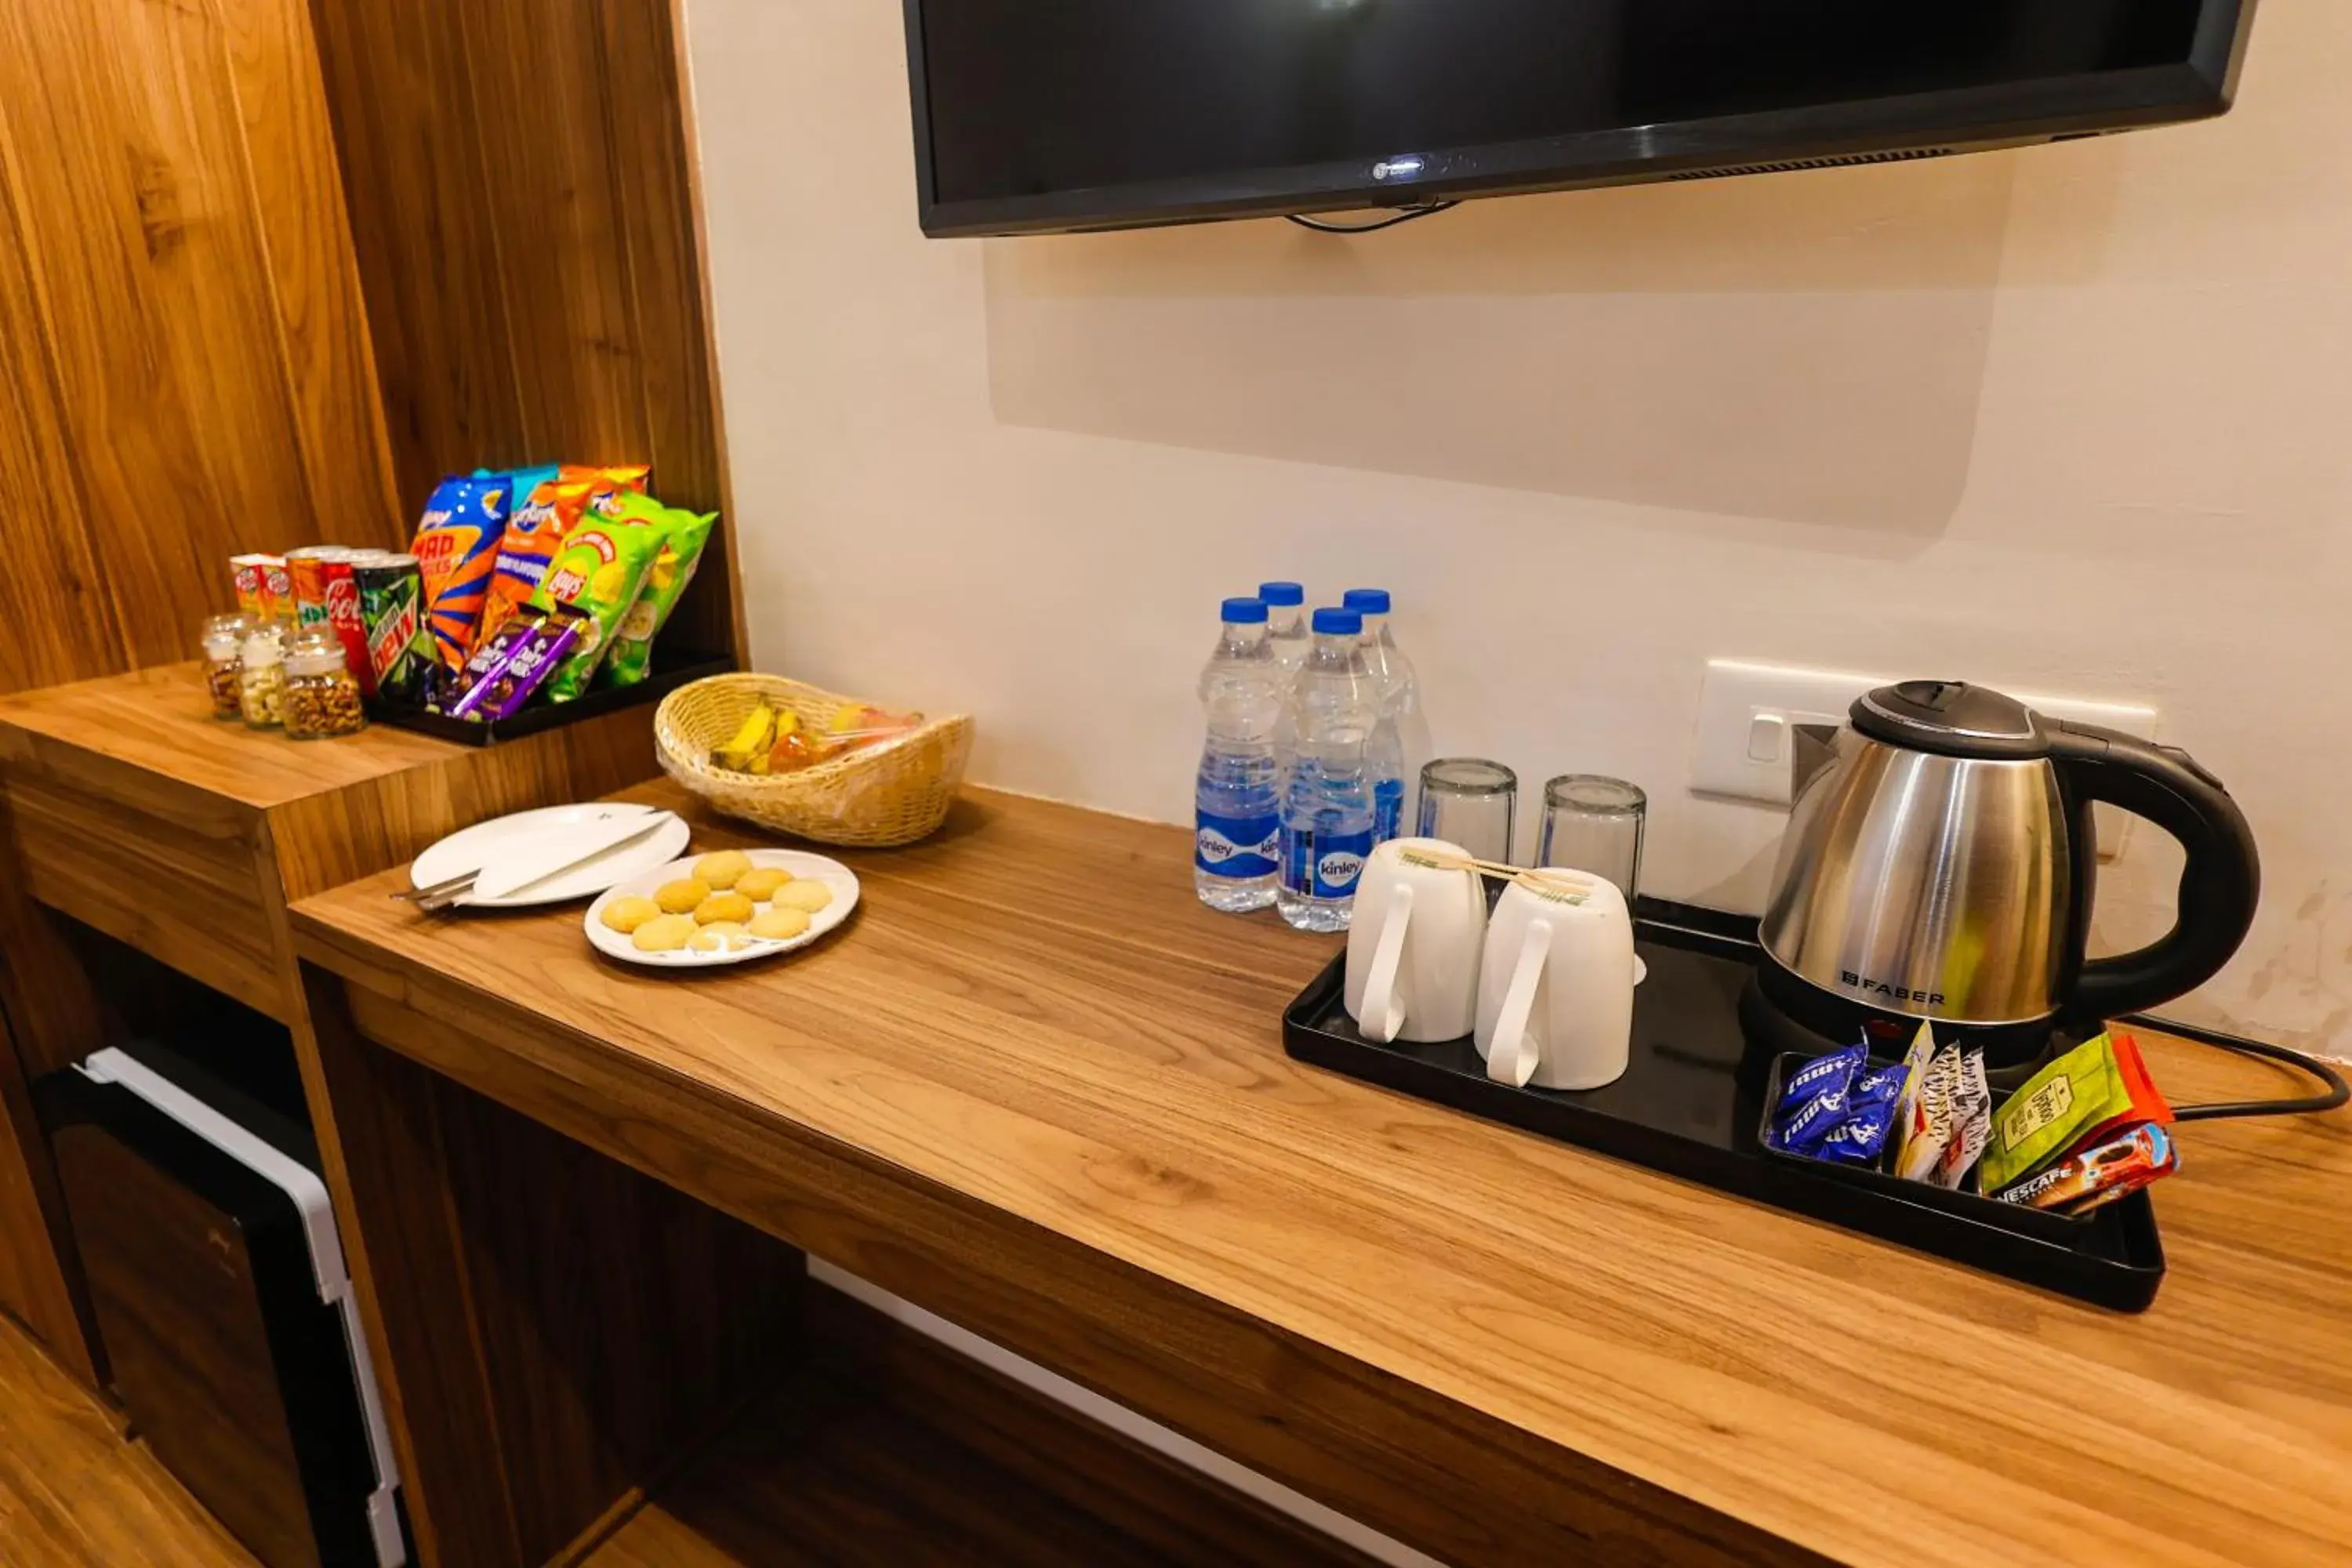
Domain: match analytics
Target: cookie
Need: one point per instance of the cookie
(731, 909)
(807, 895)
(625, 915)
(663, 934)
(721, 936)
(779, 922)
(759, 883)
(723, 870)
(682, 897)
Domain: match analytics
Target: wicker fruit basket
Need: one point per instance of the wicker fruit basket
(876, 798)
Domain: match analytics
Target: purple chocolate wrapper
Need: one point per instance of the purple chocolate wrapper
(538, 645)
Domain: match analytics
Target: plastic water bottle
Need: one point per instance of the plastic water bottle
(1285, 604)
(1327, 817)
(1402, 744)
(1238, 805)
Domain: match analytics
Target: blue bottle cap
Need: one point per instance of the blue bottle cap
(1368, 601)
(1286, 595)
(1245, 612)
(1338, 624)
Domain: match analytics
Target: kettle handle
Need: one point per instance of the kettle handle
(2220, 885)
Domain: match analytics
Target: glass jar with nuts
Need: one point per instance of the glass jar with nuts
(323, 696)
(224, 646)
(261, 679)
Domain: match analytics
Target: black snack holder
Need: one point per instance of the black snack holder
(1691, 1104)
(670, 671)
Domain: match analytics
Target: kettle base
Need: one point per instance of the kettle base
(1781, 1013)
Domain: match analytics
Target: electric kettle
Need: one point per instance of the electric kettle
(1940, 864)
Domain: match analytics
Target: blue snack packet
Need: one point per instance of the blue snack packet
(1835, 1071)
(1802, 1129)
(1879, 1086)
(1861, 1138)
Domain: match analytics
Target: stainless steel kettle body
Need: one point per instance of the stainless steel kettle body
(1940, 865)
(1937, 886)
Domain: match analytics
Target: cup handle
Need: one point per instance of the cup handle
(1513, 1058)
(1383, 1007)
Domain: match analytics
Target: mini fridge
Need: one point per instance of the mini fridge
(216, 1277)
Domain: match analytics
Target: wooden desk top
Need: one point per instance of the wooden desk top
(1034, 1013)
(160, 721)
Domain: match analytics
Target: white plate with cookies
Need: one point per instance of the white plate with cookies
(731, 906)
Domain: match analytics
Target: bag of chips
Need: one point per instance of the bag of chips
(685, 535)
(607, 480)
(457, 547)
(603, 567)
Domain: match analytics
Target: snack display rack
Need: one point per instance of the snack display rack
(672, 668)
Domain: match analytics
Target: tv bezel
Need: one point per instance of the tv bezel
(1863, 131)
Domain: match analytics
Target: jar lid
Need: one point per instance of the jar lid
(223, 644)
(263, 647)
(318, 651)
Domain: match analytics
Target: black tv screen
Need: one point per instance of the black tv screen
(1036, 115)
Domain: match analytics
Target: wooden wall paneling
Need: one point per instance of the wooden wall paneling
(523, 204)
(425, 233)
(297, 191)
(545, 112)
(643, 50)
(146, 255)
(61, 621)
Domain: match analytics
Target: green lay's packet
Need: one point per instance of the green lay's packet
(685, 535)
(602, 568)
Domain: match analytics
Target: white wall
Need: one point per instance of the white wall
(2073, 420)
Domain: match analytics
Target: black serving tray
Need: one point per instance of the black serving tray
(1692, 1105)
(670, 671)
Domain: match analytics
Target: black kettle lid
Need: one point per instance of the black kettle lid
(1952, 718)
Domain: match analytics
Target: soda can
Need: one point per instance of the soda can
(278, 588)
(342, 591)
(252, 574)
(313, 571)
(400, 648)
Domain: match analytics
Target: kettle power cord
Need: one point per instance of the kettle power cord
(2338, 1091)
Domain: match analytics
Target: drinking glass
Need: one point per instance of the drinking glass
(1594, 825)
(1470, 802)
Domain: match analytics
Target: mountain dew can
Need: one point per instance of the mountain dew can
(392, 616)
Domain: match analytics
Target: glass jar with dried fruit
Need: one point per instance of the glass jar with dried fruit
(261, 677)
(323, 696)
(224, 646)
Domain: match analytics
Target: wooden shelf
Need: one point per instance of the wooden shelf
(886, 1448)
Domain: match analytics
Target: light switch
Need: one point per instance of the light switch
(1766, 734)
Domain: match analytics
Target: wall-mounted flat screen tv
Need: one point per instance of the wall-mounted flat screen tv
(1043, 115)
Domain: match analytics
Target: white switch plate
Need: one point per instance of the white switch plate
(1744, 705)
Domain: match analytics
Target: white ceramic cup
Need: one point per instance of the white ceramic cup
(1556, 986)
(1413, 947)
